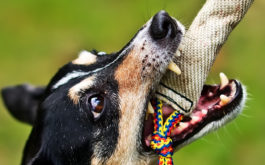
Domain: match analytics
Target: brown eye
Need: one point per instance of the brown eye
(97, 105)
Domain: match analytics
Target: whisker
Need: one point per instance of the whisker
(237, 128)
(228, 133)
(218, 136)
(247, 116)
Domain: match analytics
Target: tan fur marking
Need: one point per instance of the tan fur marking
(128, 74)
(83, 85)
(95, 161)
(85, 58)
(126, 151)
(132, 93)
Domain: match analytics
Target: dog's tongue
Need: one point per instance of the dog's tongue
(198, 50)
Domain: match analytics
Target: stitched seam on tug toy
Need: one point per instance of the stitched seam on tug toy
(161, 142)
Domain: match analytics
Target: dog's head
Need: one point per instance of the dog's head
(94, 109)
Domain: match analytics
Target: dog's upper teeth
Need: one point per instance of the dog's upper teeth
(173, 67)
(178, 53)
(150, 110)
(224, 100)
(181, 47)
(224, 80)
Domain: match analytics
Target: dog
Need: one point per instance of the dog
(93, 111)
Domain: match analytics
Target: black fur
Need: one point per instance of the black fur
(65, 133)
(22, 101)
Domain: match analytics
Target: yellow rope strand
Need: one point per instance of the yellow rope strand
(161, 142)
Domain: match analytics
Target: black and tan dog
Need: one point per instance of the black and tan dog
(93, 110)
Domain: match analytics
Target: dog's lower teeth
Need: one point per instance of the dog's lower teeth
(224, 100)
(150, 110)
(174, 68)
(183, 125)
(204, 111)
(195, 119)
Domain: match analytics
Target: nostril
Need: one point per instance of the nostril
(162, 25)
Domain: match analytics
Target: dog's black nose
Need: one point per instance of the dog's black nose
(163, 26)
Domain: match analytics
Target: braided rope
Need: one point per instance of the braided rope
(161, 142)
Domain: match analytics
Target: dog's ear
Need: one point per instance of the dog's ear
(23, 101)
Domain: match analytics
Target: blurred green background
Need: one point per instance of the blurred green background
(37, 37)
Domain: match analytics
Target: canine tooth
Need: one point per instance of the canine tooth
(224, 80)
(178, 53)
(224, 100)
(173, 67)
(150, 110)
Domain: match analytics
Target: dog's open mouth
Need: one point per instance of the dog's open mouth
(217, 105)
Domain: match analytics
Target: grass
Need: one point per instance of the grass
(37, 37)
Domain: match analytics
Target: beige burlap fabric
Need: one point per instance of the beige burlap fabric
(199, 48)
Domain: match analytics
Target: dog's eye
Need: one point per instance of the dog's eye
(96, 103)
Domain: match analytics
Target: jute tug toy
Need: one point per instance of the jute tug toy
(161, 142)
(198, 50)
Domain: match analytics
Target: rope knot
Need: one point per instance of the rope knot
(161, 142)
(162, 145)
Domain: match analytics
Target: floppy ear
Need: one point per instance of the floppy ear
(23, 101)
